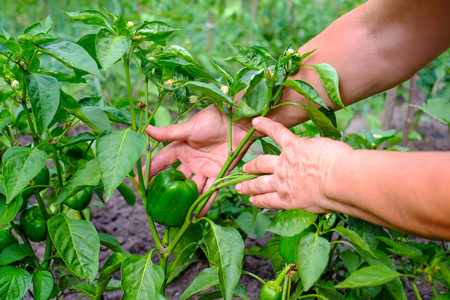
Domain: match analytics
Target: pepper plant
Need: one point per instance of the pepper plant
(42, 163)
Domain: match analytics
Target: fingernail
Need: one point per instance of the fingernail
(255, 121)
(251, 199)
(244, 168)
(238, 187)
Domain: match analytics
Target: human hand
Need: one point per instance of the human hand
(295, 179)
(201, 145)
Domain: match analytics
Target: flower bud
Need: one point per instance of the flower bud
(193, 99)
(224, 89)
(169, 82)
(290, 51)
(141, 105)
(151, 58)
(130, 24)
(15, 84)
(137, 38)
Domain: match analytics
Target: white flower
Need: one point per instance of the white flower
(193, 99)
(130, 24)
(15, 84)
(224, 89)
(377, 136)
(151, 58)
(290, 51)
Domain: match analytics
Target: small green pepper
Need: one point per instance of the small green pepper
(6, 238)
(169, 197)
(42, 178)
(81, 200)
(272, 290)
(33, 224)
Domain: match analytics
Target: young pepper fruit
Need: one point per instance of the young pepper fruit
(272, 290)
(6, 238)
(80, 200)
(33, 224)
(169, 197)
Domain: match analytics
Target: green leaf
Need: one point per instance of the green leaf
(404, 250)
(44, 96)
(116, 155)
(249, 57)
(73, 56)
(255, 99)
(223, 73)
(330, 82)
(323, 123)
(239, 292)
(216, 96)
(305, 89)
(350, 259)
(14, 283)
(5, 117)
(292, 222)
(127, 194)
(8, 41)
(88, 175)
(206, 279)
(394, 287)
(312, 258)
(175, 51)
(269, 146)
(258, 228)
(28, 41)
(183, 259)
(110, 242)
(20, 165)
(271, 251)
(354, 238)
(13, 253)
(141, 279)
(42, 285)
(156, 31)
(43, 26)
(107, 272)
(225, 249)
(9, 211)
(110, 47)
(63, 77)
(89, 17)
(368, 276)
(93, 117)
(77, 243)
(438, 109)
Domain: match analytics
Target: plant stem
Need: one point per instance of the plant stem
(254, 276)
(58, 167)
(48, 253)
(41, 204)
(26, 241)
(126, 64)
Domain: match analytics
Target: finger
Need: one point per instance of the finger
(280, 134)
(186, 170)
(175, 132)
(263, 164)
(200, 181)
(208, 205)
(261, 185)
(164, 158)
(269, 200)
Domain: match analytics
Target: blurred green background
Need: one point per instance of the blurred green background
(207, 26)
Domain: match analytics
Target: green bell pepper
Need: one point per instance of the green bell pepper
(80, 200)
(33, 224)
(272, 290)
(6, 238)
(169, 197)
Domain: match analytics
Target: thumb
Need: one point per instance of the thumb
(276, 131)
(171, 133)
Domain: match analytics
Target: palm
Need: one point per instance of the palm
(201, 145)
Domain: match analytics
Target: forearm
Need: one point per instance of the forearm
(373, 48)
(404, 191)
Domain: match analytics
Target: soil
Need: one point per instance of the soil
(129, 224)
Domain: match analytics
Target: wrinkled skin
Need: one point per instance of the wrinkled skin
(201, 145)
(296, 178)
